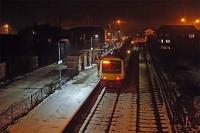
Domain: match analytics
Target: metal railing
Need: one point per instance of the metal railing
(20, 109)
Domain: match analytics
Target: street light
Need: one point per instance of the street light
(6, 27)
(197, 21)
(183, 20)
(118, 22)
(91, 45)
(59, 63)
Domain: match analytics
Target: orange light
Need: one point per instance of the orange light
(106, 62)
(104, 78)
(6, 26)
(117, 78)
(197, 21)
(118, 22)
(182, 19)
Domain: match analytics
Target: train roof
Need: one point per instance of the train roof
(118, 53)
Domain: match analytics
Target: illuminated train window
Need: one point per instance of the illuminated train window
(112, 67)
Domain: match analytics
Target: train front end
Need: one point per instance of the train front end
(111, 72)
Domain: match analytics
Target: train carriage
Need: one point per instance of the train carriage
(113, 68)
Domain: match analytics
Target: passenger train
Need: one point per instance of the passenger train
(113, 67)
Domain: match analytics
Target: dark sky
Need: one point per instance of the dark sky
(136, 14)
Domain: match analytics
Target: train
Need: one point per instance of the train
(113, 67)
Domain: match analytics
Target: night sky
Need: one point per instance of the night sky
(136, 14)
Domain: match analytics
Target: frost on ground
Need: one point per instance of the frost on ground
(185, 77)
(55, 112)
(22, 88)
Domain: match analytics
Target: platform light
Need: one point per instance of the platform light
(167, 41)
(96, 36)
(161, 41)
(183, 20)
(118, 22)
(106, 62)
(128, 51)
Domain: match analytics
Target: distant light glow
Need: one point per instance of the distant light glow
(6, 26)
(118, 22)
(106, 62)
(161, 40)
(197, 21)
(167, 41)
(183, 20)
(96, 36)
(191, 35)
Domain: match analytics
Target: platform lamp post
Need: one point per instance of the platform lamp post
(59, 64)
(91, 45)
(6, 28)
(91, 49)
(196, 23)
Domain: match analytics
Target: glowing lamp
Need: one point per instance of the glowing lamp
(197, 21)
(182, 19)
(106, 62)
(128, 51)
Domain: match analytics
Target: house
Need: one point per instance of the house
(41, 38)
(179, 39)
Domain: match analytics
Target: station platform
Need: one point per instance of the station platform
(57, 110)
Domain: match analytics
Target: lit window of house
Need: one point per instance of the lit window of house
(191, 35)
(161, 40)
(167, 41)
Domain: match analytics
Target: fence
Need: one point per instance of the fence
(22, 108)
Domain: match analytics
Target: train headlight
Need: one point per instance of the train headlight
(104, 77)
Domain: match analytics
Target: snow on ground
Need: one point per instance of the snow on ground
(185, 78)
(17, 90)
(55, 112)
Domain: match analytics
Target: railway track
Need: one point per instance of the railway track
(152, 110)
(142, 110)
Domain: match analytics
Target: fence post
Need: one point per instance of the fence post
(12, 113)
(186, 120)
(51, 87)
(31, 101)
(41, 93)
